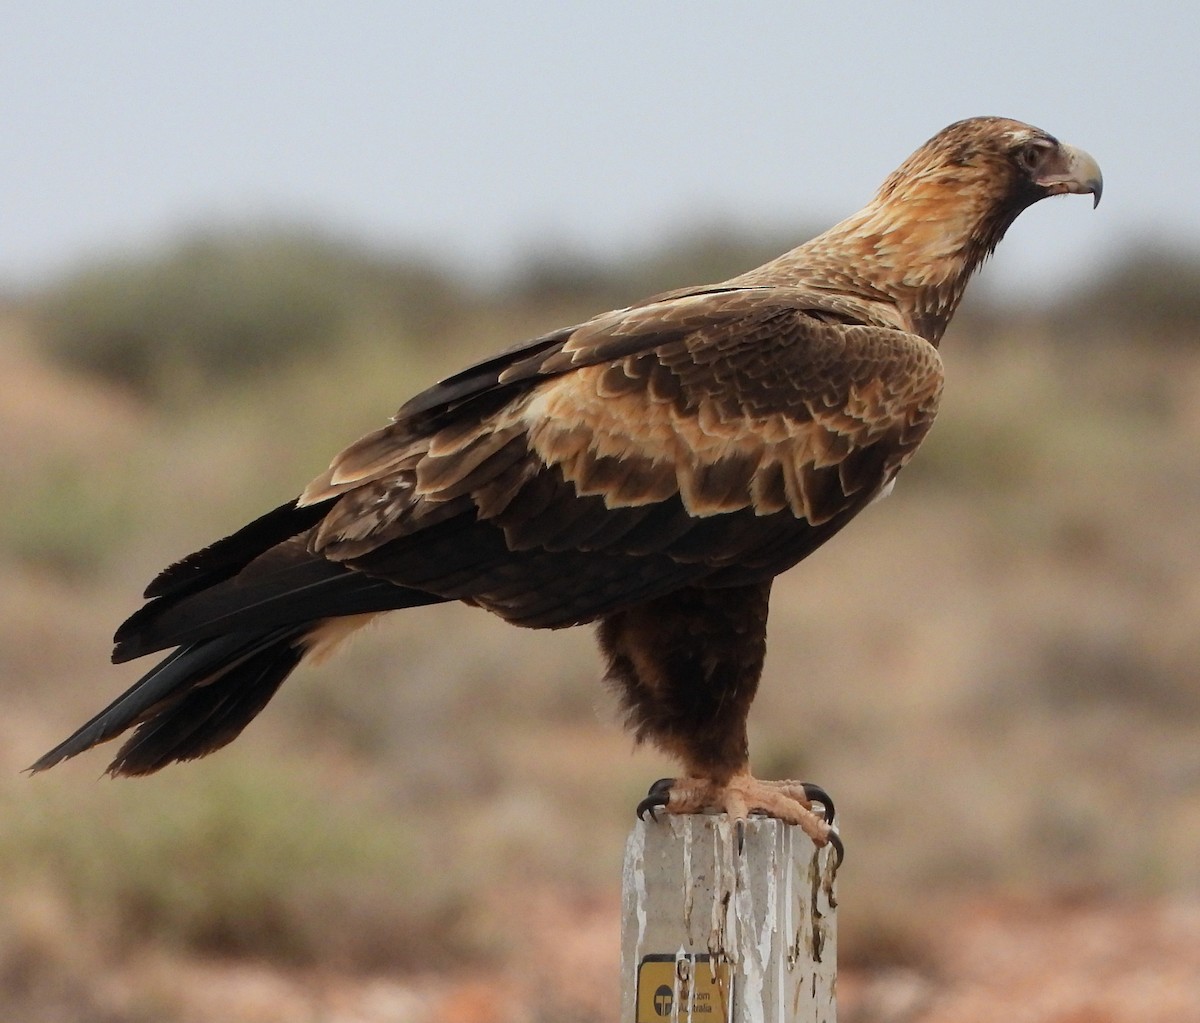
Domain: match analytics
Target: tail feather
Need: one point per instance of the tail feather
(193, 702)
(297, 592)
(225, 558)
(242, 613)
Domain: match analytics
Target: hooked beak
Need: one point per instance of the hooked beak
(1072, 170)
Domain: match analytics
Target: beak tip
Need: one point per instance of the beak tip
(1074, 171)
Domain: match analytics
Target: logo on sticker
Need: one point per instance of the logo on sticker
(688, 988)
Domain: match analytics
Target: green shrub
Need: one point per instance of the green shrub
(67, 517)
(1151, 294)
(233, 858)
(219, 307)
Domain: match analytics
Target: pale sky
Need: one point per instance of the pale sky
(477, 131)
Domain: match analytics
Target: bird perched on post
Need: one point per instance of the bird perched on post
(650, 470)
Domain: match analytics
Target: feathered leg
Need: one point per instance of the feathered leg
(687, 668)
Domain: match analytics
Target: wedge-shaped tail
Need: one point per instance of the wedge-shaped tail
(193, 702)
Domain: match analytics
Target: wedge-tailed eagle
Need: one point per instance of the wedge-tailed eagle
(650, 470)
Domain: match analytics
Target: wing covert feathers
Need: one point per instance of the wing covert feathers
(760, 407)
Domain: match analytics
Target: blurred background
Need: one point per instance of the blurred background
(233, 237)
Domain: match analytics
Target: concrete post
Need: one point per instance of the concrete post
(713, 936)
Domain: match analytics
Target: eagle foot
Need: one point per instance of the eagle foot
(742, 796)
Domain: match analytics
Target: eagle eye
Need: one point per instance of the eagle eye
(1031, 155)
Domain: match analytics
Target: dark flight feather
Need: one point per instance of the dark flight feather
(194, 702)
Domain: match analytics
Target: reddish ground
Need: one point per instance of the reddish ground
(1016, 962)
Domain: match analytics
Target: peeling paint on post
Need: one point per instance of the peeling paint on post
(711, 936)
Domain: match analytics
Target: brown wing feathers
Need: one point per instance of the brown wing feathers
(749, 438)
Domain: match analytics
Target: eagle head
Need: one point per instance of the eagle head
(1014, 164)
(939, 214)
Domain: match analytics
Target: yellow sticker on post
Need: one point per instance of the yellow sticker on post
(690, 987)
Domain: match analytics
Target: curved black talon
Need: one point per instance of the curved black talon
(835, 840)
(816, 794)
(658, 797)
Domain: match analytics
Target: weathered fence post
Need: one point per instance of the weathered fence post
(713, 936)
